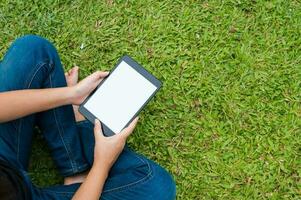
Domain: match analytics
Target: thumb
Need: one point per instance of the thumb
(98, 75)
(95, 78)
(97, 130)
(125, 133)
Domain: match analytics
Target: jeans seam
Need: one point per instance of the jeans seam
(56, 192)
(145, 178)
(40, 65)
(59, 130)
(18, 139)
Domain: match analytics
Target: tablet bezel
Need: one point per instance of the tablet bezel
(137, 67)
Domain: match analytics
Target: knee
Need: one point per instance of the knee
(32, 43)
(163, 186)
(24, 58)
(32, 39)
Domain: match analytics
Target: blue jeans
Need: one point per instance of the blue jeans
(31, 63)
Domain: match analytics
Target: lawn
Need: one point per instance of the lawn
(227, 121)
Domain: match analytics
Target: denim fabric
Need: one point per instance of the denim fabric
(32, 62)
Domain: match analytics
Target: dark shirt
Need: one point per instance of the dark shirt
(12, 185)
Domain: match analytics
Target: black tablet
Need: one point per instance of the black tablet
(120, 96)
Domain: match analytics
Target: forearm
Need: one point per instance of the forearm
(19, 103)
(92, 187)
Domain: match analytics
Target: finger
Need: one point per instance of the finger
(96, 83)
(102, 74)
(97, 75)
(130, 128)
(97, 126)
(94, 77)
(97, 129)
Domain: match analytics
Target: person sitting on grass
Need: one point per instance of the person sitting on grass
(34, 91)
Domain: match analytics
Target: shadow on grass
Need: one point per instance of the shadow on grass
(42, 169)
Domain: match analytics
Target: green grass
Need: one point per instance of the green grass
(227, 121)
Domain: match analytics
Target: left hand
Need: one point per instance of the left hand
(81, 90)
(107, 149)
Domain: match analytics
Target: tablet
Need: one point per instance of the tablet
(120, 97)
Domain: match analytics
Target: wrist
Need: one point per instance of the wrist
(103, 169)
(70, 94)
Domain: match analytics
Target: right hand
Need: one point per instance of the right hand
(81, 90)
(107, 149)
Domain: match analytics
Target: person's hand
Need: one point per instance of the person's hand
(81, 90)
(107, 149)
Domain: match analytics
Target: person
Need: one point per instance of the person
(35, 91)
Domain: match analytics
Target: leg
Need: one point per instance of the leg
(17, 69)
(131, 177)
(32, 62)
(135, 177)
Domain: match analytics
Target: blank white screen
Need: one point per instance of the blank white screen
(118, 99)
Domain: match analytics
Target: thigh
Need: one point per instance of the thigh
(32, 62)
(10, 139)
(16, 135)
(132, 177)
(23, 65)
(135, 177)
(21, 68)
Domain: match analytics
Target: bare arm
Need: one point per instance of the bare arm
(91, 188)
(16, 104)
(19, 103)
(106, 151)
